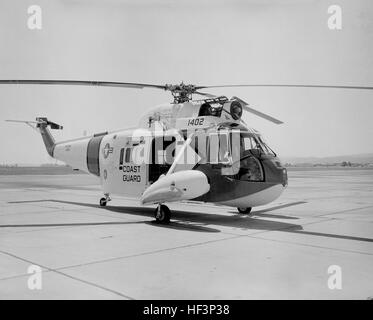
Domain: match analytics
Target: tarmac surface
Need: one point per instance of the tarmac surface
(282, 251)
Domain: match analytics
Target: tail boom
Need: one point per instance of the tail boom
(82, 153)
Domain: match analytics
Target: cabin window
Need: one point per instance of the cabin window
(208, 109)
(121, 156)
(128, 155)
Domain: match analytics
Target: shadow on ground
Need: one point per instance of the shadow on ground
(190, 220)
(198, 221)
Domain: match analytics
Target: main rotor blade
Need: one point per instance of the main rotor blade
(262, 115)
(167, 87)
(85, 83)
(256, 112)
(287, 85)
(205, 94)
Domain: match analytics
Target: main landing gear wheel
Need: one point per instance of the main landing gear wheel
(105, 200)
(162, 214)
(244, 210)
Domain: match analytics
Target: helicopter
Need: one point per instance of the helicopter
(197, 150)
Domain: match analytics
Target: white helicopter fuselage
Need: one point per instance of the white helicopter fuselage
(208, 162)
(129, 162)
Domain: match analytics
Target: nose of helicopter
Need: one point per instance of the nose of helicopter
(274, 171)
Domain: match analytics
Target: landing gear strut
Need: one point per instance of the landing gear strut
(244, 210)
(104, 201)
(162, 214)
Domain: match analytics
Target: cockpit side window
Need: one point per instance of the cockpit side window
(199, 144)
(250, 169)
(224, 152)
(247, 144)
(219, 148)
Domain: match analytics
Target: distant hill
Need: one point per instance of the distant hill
(37, 170)
(366, 158)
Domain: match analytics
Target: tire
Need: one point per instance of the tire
(162, 214)
(244, 210)
(103, 202)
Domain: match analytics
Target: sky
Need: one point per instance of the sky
(195, 41)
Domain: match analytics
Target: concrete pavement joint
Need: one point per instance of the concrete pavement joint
(68, 276)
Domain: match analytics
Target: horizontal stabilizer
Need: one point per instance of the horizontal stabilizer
(51, 124)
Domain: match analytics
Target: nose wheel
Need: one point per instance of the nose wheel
(162, 214)
(244, 210)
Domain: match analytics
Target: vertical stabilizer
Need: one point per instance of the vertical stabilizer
(48, 139)
(49, 142)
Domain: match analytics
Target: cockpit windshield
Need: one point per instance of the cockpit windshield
(250, 141)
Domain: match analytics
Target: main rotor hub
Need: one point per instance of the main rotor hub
(181, 92)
